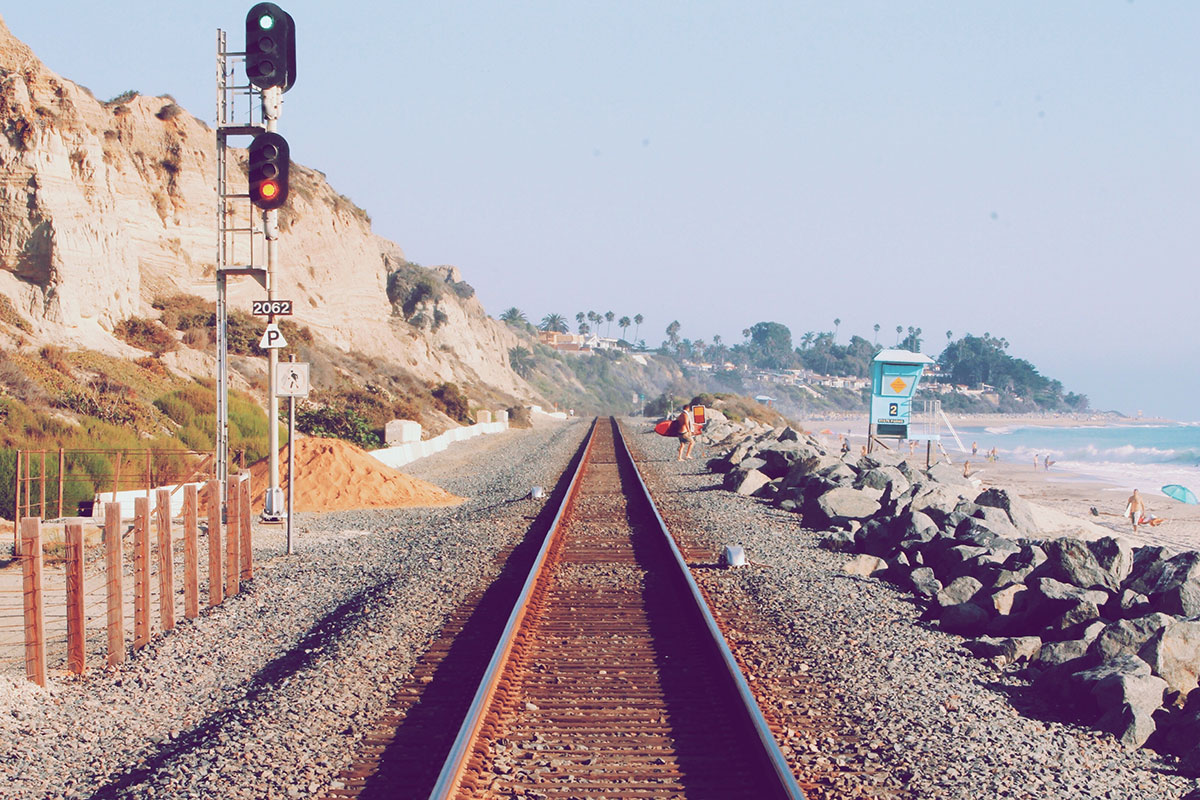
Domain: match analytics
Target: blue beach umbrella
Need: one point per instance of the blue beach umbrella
(1180, 493)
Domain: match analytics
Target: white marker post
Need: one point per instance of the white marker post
(292, 382)
(272, 341)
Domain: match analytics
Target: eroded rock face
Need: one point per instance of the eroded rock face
(105, 207)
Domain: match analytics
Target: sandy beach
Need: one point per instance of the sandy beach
(1059, 489)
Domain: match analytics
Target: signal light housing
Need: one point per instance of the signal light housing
(270, 47)
(268, 171)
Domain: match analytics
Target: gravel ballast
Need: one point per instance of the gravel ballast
(874, 702)
(269, 694)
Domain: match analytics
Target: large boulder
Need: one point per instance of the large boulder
(865, 565)
(746, 483)
(924, 583)
(1000, 602)
(1120, 697)
(947, 473)
(742, 450)
(1072, 561)
(1173, 653)
(959, 591)
(780, 457)
(1177, 588)
(888, 480)
(1115, 555)
(1004, 651)
(1017, 509)
(1149, 561)
(1058, 610)
(1068, 651)
(1127, 636)
(839, 542)
(965, 619)
(841, 505)
(937, 501)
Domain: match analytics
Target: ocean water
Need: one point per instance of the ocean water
(1144, 457)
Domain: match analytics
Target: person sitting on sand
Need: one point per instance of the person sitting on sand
(1135, 508)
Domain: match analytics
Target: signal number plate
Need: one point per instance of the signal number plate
(267, 307)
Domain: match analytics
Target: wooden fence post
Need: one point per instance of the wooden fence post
(141, 572)
(75, 626)
(233, 520)
(62, 465)
(35, 622)
(166, 561)
(215, 587)
(113, 576)
(17, 507)
(191, 555)
(247, 541)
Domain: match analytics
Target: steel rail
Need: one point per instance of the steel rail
(779, 764)
(456, 762)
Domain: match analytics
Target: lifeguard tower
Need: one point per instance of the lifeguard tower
(894, 378)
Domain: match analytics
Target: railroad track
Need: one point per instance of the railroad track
(609, 680)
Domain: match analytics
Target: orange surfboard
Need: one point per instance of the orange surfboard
(662, 427)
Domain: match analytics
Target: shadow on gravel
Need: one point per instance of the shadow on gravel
(305, 652)
(410, 763)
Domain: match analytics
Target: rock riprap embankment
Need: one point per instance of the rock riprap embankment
(1108, 631)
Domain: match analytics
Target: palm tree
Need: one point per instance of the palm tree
(899, 330)
(673, 333)
(579, 317)
(555, 323)
(521, 360)
(806, 341)
(949, 336)
(609, 316)
(623, 323)
(584, 329)
(638, 319)
(876, 342)
(837, 323)
(513, 316)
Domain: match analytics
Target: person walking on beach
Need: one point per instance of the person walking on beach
(974, 448)
(1037, 457)
(1135, 509)
(683, 428)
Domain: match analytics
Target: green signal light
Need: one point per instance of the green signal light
(266, 22)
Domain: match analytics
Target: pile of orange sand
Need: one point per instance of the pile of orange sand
(334, 475)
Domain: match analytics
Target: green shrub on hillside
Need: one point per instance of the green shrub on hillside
(337, 422)
(453, 402)
(183, 312)
(145, 334)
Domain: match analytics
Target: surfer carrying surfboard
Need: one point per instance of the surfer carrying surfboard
(1134, 509)
(682, 427)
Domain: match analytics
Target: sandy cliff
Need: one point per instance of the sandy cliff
(105, 207)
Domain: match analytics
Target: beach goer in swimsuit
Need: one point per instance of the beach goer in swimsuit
(682, 427)
(1048, 462)
(1135, 509)
(974, 448)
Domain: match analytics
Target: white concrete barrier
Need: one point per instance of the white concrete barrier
(408, 452)
(126, 500)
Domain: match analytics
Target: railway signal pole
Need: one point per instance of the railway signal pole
(270, 68)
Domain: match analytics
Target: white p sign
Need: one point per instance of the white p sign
(272, 338)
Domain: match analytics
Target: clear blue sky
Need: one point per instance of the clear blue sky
(1028, 169)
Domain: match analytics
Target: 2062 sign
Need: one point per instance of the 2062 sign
(265, 308)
